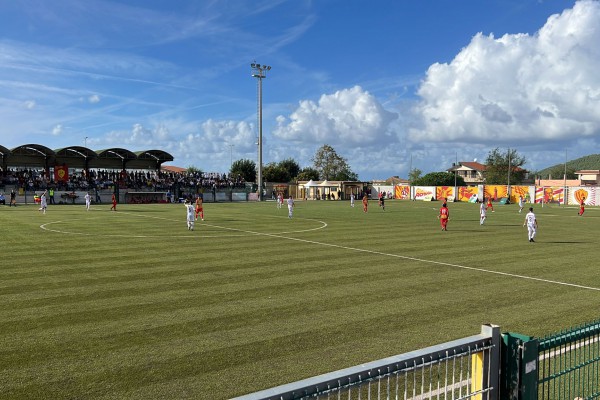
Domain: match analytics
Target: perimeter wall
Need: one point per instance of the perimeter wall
(501, 193)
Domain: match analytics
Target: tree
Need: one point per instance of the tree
(244, 168)
(331, 166)
(497, 162)
(273, 172)
(291, 166)
(438, 179)
(414, 174)
(283, 171)
(308, 173)
(194, 170)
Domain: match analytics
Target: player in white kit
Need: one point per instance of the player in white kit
(482, 213)
(43, 202)
(531, 222)
(190, 215)
(88, 201)
(290, 204)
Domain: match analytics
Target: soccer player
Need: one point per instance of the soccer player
(88, 201)
(290, 204)
(199, 208)
(13, 198)
(531, 222)
(365, 202)
(482, 213)
(382, 202)
(444, 216)
(279, 200)
(43, 203)
(189, 208)
(352, 200)
(489, 203)
(114, 202)
(581, 207)
(521, 204)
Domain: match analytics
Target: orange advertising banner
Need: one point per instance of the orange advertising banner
(519, 191)
(444, 193)
(465, 193)
(496, 192)
(402, 192)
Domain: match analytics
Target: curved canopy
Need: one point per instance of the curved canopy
(75, 152)
(32, 150)
(36, 156)
(74, 156)
(150, 159)
(30, 155)
(112, 158)
(118, 153)
(310, 183)
(4, 151)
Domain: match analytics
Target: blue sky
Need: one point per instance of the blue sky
(383, 82)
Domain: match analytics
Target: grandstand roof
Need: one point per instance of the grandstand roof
(150, 158)
(36, 155)
(4, 152)
(74, 156)
(29, 155)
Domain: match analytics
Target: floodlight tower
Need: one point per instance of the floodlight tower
(259, 72)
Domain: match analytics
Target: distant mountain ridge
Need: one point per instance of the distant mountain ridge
(591, 161)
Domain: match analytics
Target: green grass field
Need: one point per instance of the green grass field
(132, 305)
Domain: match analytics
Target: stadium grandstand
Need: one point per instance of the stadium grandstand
(133, 176)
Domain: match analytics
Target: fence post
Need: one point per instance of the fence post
(490, 368)
(519, 367)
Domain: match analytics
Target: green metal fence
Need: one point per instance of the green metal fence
(561, 366)
(569, 364)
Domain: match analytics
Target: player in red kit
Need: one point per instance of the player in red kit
(489, 204)
(581, 207)
(199, 208)
(114, 203)
(444, 216)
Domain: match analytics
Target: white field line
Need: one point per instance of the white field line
(241, 232)
(379, 253)
(427, 261)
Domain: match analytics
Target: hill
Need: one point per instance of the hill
(591, 161)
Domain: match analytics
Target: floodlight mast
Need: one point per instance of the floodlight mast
(259, 72)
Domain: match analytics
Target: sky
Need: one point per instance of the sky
(390, 85)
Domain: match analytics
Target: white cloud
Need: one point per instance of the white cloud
(349, 116)
(140, 137)
(94, 99)
(518, 88)
(216, 136)
(57, 130)
(30, 104)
